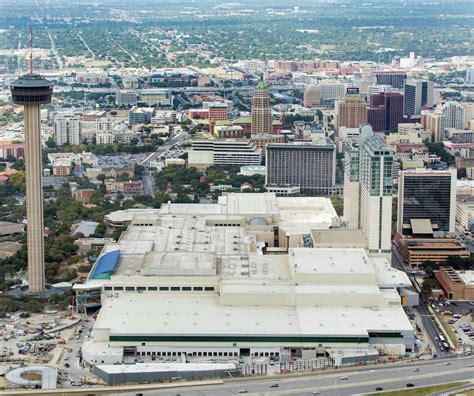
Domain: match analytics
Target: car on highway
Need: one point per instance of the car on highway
(274, 386)
(316, 392)
(243, 391)
(410, 385)
(379, 388)
(343, 378)
(416, 369)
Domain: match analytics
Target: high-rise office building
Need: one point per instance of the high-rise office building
(351, 111)
(433, 121)
(261, 110)
(332, 91)
(368, 184)
(385, 111)
(377, 116)
(312, 96)
(396, 79)
(67, 129)
(468, 114)
(418, 93)
(426, 194)
(309, 166)
(32, 91)
(453, 114)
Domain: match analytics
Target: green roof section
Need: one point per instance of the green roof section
(261, 85)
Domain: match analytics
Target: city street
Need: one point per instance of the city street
(427, 323)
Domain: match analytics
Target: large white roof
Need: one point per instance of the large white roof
(185, 314)
(162, 367)
(330, 260)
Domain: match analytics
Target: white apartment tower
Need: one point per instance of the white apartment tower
(103, 131)
(67, 129)
(368, 183)
(453, 116)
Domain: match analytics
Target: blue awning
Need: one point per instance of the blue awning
(106, 265)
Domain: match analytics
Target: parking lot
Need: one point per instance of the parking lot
(457, 315)
(455, 307)
(121, 160)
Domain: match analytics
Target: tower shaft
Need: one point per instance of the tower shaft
(34, 198)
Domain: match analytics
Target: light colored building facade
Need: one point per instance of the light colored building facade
(453, 116)
(433, 121)
(156, 97)
(126, 98)
(368, 188)
(332, 91)
(459, 135)
(262, 141)
(468, 114)
(351, 111)
(205, 153)
(465, 213)
(67, 129)
(312, 96)
(247, 303)
(470, 75)
(104, 131)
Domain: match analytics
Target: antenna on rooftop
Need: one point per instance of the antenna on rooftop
(31, 49)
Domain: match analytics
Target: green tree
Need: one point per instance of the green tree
(18, 181)
(338, 204)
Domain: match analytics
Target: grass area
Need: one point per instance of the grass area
(424, 391)
(464, 393)
(98, 63)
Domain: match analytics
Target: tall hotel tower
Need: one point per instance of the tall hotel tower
(261, 111)
(31, 91)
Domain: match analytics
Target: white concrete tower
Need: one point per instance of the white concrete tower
(32, 91)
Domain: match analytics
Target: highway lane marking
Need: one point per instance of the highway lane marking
(378, 382)
(315, 374)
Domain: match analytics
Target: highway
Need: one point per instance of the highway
(431, 373)
(175, 90)
(165, 147)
